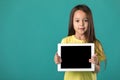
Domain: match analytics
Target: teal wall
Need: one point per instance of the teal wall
(31, 29)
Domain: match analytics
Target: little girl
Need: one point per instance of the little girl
(81, 30)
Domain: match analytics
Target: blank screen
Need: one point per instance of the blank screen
(75, 56)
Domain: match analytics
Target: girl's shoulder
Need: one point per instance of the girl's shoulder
(67, 39)
(97, 42)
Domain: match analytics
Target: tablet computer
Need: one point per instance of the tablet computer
(75, 57)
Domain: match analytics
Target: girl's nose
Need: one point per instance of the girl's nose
(81, 23)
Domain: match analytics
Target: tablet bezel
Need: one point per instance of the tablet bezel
(76, 69)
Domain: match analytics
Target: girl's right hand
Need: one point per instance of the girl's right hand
(57, 59)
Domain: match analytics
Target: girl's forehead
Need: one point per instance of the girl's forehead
(80, 13)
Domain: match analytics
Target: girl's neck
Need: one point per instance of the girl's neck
(80, 37)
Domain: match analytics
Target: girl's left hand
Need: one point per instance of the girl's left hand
(94, 59)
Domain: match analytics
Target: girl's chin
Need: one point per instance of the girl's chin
(81, 33)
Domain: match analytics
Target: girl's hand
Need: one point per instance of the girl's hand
(57, 59)
(94, 59)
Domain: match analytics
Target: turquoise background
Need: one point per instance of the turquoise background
(31, 29)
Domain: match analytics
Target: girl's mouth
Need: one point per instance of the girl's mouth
(81, 28)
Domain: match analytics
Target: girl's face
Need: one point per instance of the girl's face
(80, 22)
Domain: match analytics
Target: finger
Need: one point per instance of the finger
(95, 55)
(91, 61)
(58, 59)
(56, 54)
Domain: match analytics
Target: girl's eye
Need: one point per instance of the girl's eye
(86, 20)
(77, 20)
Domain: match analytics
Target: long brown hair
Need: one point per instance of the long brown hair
(90, 34)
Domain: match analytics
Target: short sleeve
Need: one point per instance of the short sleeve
(99, 51)
(63, 41)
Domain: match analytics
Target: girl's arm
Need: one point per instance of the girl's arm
(97, 67)
(95, 61)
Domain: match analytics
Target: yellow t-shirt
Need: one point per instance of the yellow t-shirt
(70, 75)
